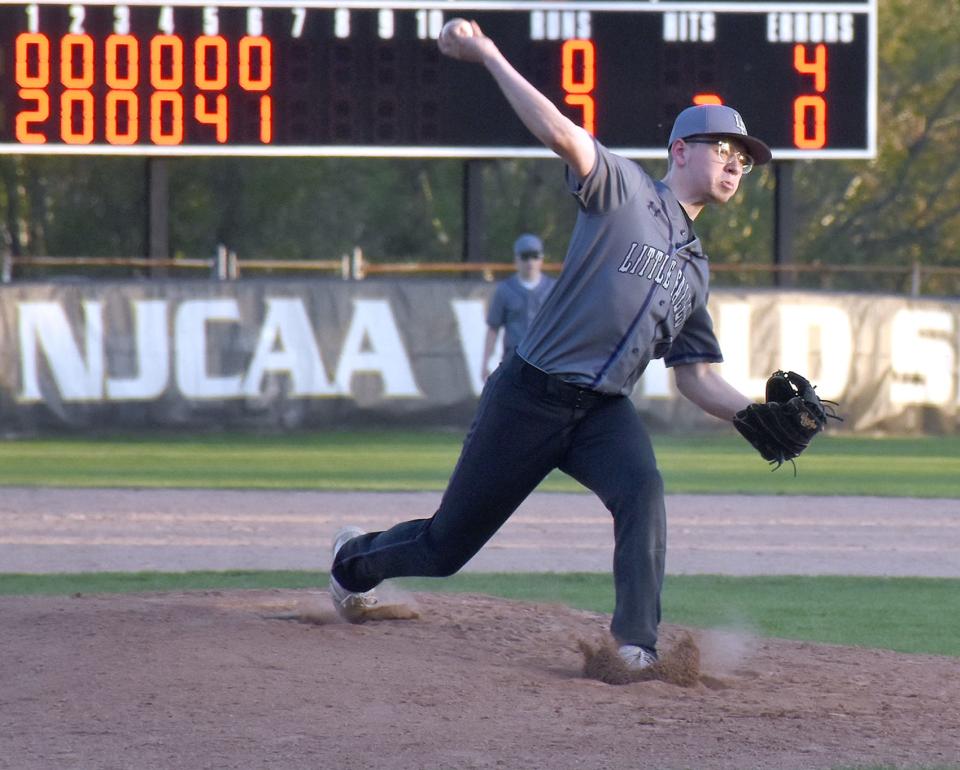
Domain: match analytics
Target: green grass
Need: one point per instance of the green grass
(404, 460)
(137, 582)
(914, 615)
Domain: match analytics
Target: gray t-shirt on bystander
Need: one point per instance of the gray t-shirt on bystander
(514, 306)
(633, 287)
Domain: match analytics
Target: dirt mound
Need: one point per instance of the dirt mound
(679, 665)
(272, 679)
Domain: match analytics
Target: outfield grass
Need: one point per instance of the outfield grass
(404, 460)
(915, 615)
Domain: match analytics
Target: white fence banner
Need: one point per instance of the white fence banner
(284, 355)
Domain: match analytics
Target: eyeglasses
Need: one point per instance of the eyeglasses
(525, 255)
(725, 151)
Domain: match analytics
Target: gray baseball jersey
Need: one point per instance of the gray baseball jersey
(514, 306)
(633, 286)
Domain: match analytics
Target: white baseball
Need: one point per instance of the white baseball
(458, 27)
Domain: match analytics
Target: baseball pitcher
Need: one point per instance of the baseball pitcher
(633, 287)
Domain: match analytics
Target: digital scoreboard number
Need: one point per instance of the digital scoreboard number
(367, 79)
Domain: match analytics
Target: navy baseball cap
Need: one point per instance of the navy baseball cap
(527, 244)
(718, 120)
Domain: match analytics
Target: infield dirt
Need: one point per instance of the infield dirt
(272, 679)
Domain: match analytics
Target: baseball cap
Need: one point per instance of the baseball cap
(527, 243)
(718, 120)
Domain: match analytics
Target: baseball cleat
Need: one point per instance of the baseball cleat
(637, 658)
(353, 607)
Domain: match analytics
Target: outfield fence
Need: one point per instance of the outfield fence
(913, 280)
(287, 354)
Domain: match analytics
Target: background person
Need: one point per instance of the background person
(517, 299)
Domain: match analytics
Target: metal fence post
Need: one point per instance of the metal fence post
(915, 279)
(233, 265)
(356, 264)
(220, 263)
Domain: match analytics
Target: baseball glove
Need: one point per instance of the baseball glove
(783, 427)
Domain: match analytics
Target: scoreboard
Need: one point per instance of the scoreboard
(366, 78)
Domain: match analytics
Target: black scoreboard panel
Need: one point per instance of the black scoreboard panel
(366, 78)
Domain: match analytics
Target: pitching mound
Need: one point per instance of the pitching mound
(273, 679)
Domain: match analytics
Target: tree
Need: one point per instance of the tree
(904, 206)
(72, 205)
(297, 208)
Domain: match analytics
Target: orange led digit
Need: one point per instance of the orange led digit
(128, 117)
(73, 100)
(70, 47)
(802, 138)
(217, 117)
(122, 105)
(264, 78)
(707, 99)
(817, 67)
(168, 78)
(158, 133)
(587, 81)
(586, 103)
(39, 45)
(203, 47)
(122, 53)
(76, 50)
(26, 117)
(266, 119)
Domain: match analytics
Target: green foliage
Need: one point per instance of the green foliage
(905, 205)
(526, 196)
(317, 208)
(73, 206)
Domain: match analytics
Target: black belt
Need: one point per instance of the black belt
(544, 384)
